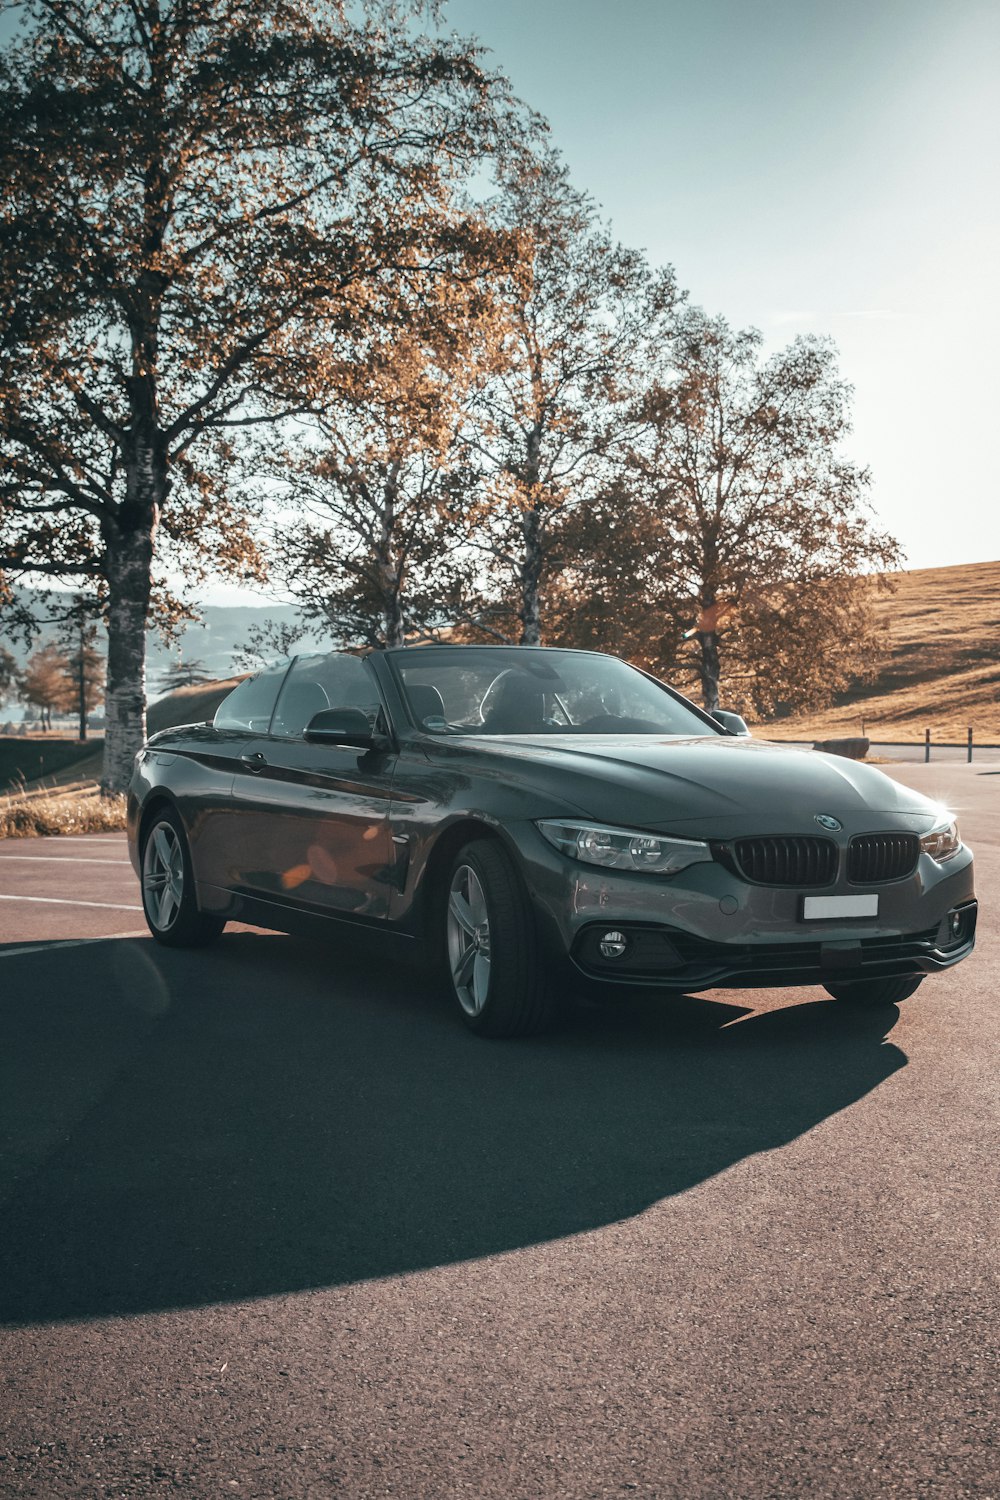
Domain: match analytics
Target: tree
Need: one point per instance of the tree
(190, 190)
(184, 674)
(738, 526)
(376, 490)
(370, 559)
(83, 663)
(553, 413)
(44, 684)
(8, 674)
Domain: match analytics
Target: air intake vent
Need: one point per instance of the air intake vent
(876, 857)
(786, 861)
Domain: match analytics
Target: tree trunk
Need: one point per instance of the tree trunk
(82, 693)
(530, 613)
(129, 536)
(531, 572)
(708, 669)
(128, 570)
(395, 626)
(390, 574)
(130, 533)
(81, 678)
(393, 620)
(128, 562)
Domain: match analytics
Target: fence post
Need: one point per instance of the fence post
(969, 745)
(927, 746)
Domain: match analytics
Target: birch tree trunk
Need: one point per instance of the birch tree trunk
(530, 613)
(708, 669)
(531, 572)
(395, 625)
(129, 561)
(129, 540)
(390, 572)
(81, 686)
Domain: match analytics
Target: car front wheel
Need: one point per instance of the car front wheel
(168, 893)
(497, 974)
(873, 992)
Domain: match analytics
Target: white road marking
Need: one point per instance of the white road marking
(80, 838)
(64, 901)
(55, 945)
(68, 859)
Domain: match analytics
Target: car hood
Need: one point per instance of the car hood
(722, 786)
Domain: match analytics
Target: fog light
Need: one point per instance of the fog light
(956, 922)
(613, 944)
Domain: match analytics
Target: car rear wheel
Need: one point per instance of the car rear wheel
(168, 892)
(872, 992)
(496, 971)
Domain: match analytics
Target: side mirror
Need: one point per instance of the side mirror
(340, 726)
(733, 722)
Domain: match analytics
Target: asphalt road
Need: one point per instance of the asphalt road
(275, 1225)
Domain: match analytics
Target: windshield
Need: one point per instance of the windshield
(523, 690)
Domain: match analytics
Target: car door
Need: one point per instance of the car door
(203, 766)
(312, 821)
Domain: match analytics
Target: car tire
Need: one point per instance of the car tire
(874, 992)
(169, 901)
(495, 969)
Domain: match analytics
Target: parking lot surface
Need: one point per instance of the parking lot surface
(274, 1224)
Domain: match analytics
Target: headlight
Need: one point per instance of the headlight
(942, 842)
(623, 848)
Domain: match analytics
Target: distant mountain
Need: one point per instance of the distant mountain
(215, 640)
(219, 637)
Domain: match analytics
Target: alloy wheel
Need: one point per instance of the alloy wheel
(163, 876)
(469, 940)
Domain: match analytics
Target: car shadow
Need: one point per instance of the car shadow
(272, 1115)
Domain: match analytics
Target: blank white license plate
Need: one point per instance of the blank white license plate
(818, 908)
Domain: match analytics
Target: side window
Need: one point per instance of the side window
(249, 706)
(319, 682)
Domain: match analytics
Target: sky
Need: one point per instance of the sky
(807, 167)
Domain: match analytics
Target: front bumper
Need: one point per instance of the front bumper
(707, 928)
(671, 958)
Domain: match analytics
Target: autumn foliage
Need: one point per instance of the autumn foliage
(291, 285)
(194, 192)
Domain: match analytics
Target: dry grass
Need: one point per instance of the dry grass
(80, 809)
(68, 800)
(54, 759)
(943, 668)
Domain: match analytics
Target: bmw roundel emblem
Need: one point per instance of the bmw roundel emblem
(826, 821)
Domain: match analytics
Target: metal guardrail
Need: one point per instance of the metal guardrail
(926, 744)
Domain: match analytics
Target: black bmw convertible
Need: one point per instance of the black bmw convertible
(537, 817)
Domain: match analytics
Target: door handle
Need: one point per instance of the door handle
(253, 762)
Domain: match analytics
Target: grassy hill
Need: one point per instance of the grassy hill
(57, 762)
(33, 758)
(942, 670)
(189, 705)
